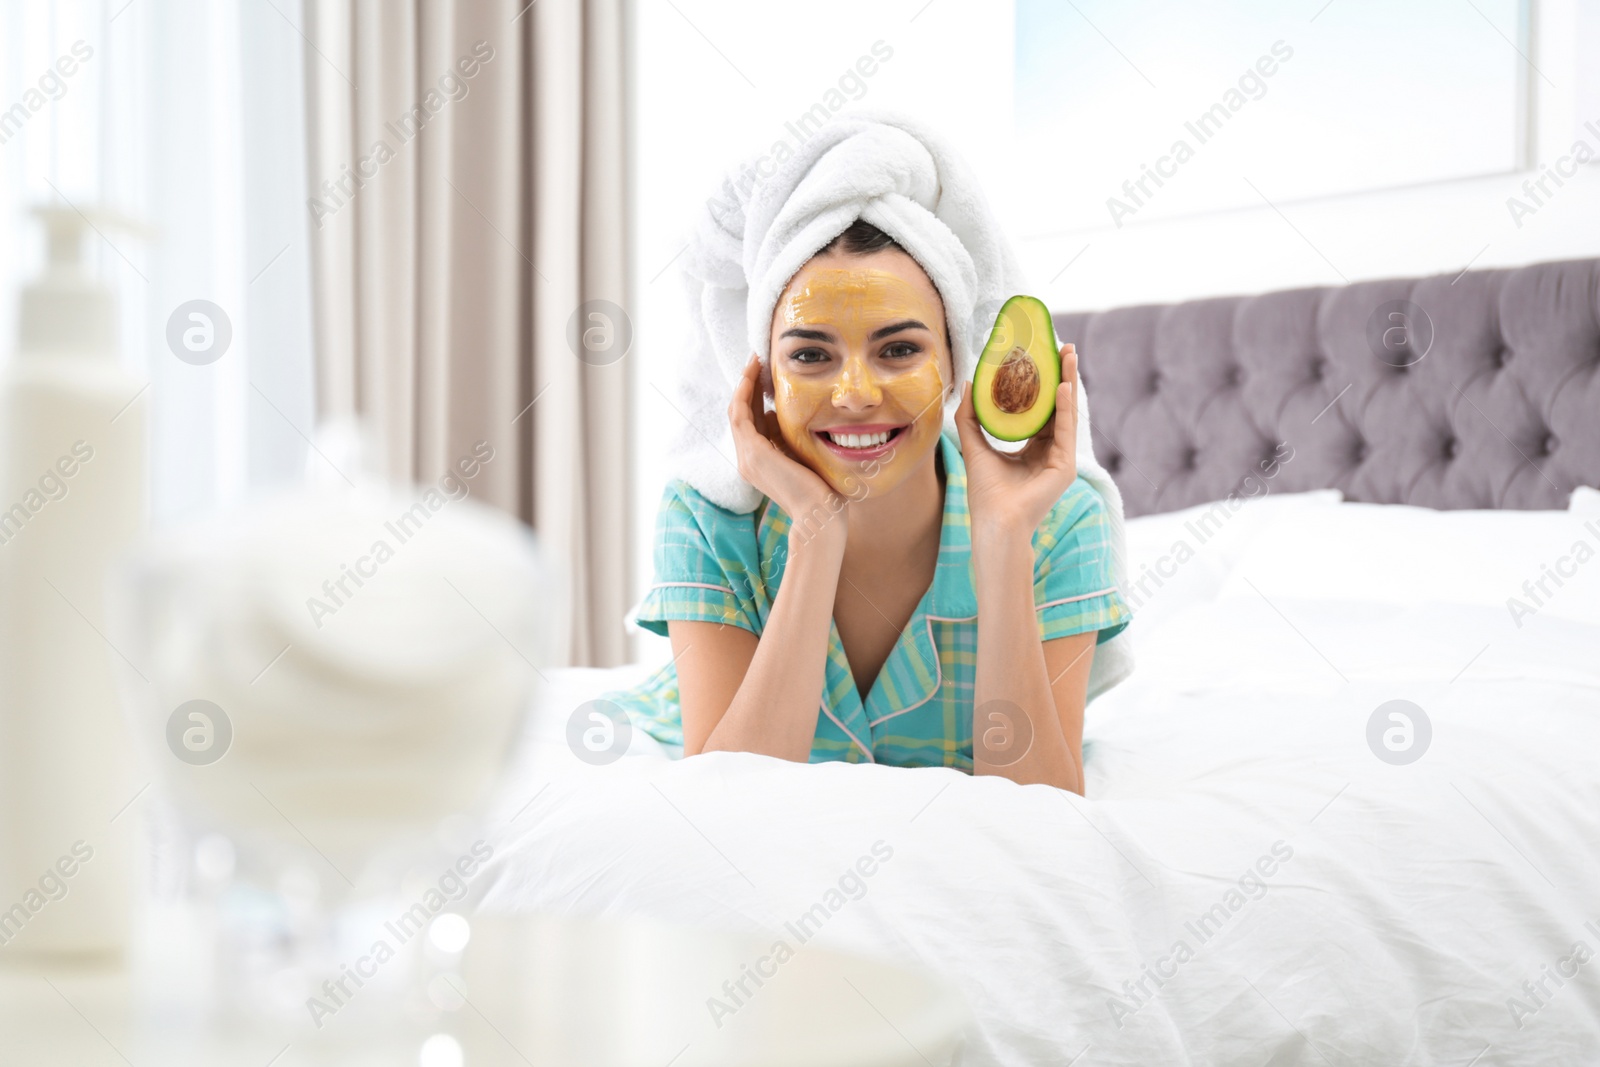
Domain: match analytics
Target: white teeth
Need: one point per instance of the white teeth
(859, 440)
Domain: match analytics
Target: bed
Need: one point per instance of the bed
(1346, 809)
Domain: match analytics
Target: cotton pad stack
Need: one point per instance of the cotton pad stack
(365, 659)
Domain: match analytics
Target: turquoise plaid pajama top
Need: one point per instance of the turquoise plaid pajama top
(715, 565)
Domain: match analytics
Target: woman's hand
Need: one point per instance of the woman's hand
(1014, 492)
(766, 463)
(1009, 495)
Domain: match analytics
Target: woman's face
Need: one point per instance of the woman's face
(858, 348)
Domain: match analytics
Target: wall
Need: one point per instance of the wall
(1428, 229)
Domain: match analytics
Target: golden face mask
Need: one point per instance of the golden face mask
(860, 351)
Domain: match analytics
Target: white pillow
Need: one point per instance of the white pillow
(1585, 500)
(546, 751)
(1177, 559)
(1522, 562)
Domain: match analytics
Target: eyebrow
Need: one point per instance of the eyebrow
(878, 334)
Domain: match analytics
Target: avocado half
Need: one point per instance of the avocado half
(1014, 387)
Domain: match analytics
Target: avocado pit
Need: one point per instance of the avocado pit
(1016, 382)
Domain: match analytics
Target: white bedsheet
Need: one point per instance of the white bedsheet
(1405, 907)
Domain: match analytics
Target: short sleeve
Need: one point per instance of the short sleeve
(704, 555)
(1074, 587)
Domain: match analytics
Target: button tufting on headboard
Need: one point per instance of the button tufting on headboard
(1477, 390)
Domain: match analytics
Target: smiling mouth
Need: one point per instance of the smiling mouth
(859, 442)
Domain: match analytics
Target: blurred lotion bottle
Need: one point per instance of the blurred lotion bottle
(72, 500)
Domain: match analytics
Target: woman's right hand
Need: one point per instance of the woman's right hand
(766, 462)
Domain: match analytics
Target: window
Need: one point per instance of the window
(1135, 112)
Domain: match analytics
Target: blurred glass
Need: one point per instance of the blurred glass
(327, 685)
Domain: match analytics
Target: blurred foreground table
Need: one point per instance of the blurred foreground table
(528, 991)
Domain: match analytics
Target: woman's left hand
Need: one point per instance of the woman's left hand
(1013, 492)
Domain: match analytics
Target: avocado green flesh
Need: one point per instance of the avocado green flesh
(1023, 324)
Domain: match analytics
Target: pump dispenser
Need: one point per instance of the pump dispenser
(72, 500)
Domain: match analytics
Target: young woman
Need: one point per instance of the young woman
(901, 596)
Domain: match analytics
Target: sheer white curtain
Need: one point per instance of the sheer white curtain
(188, 116)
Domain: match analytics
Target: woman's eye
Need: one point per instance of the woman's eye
(802, 354)
(901, 350)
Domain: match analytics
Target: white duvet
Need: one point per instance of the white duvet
(1247, 882)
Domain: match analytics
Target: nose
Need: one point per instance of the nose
(856, 388)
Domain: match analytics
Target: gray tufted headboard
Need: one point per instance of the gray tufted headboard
(1479, 390)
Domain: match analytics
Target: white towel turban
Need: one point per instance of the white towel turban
(773, 213)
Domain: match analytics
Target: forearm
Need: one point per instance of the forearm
(1012, 680)
(775, 709)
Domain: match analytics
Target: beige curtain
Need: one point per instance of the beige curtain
(468, 185)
